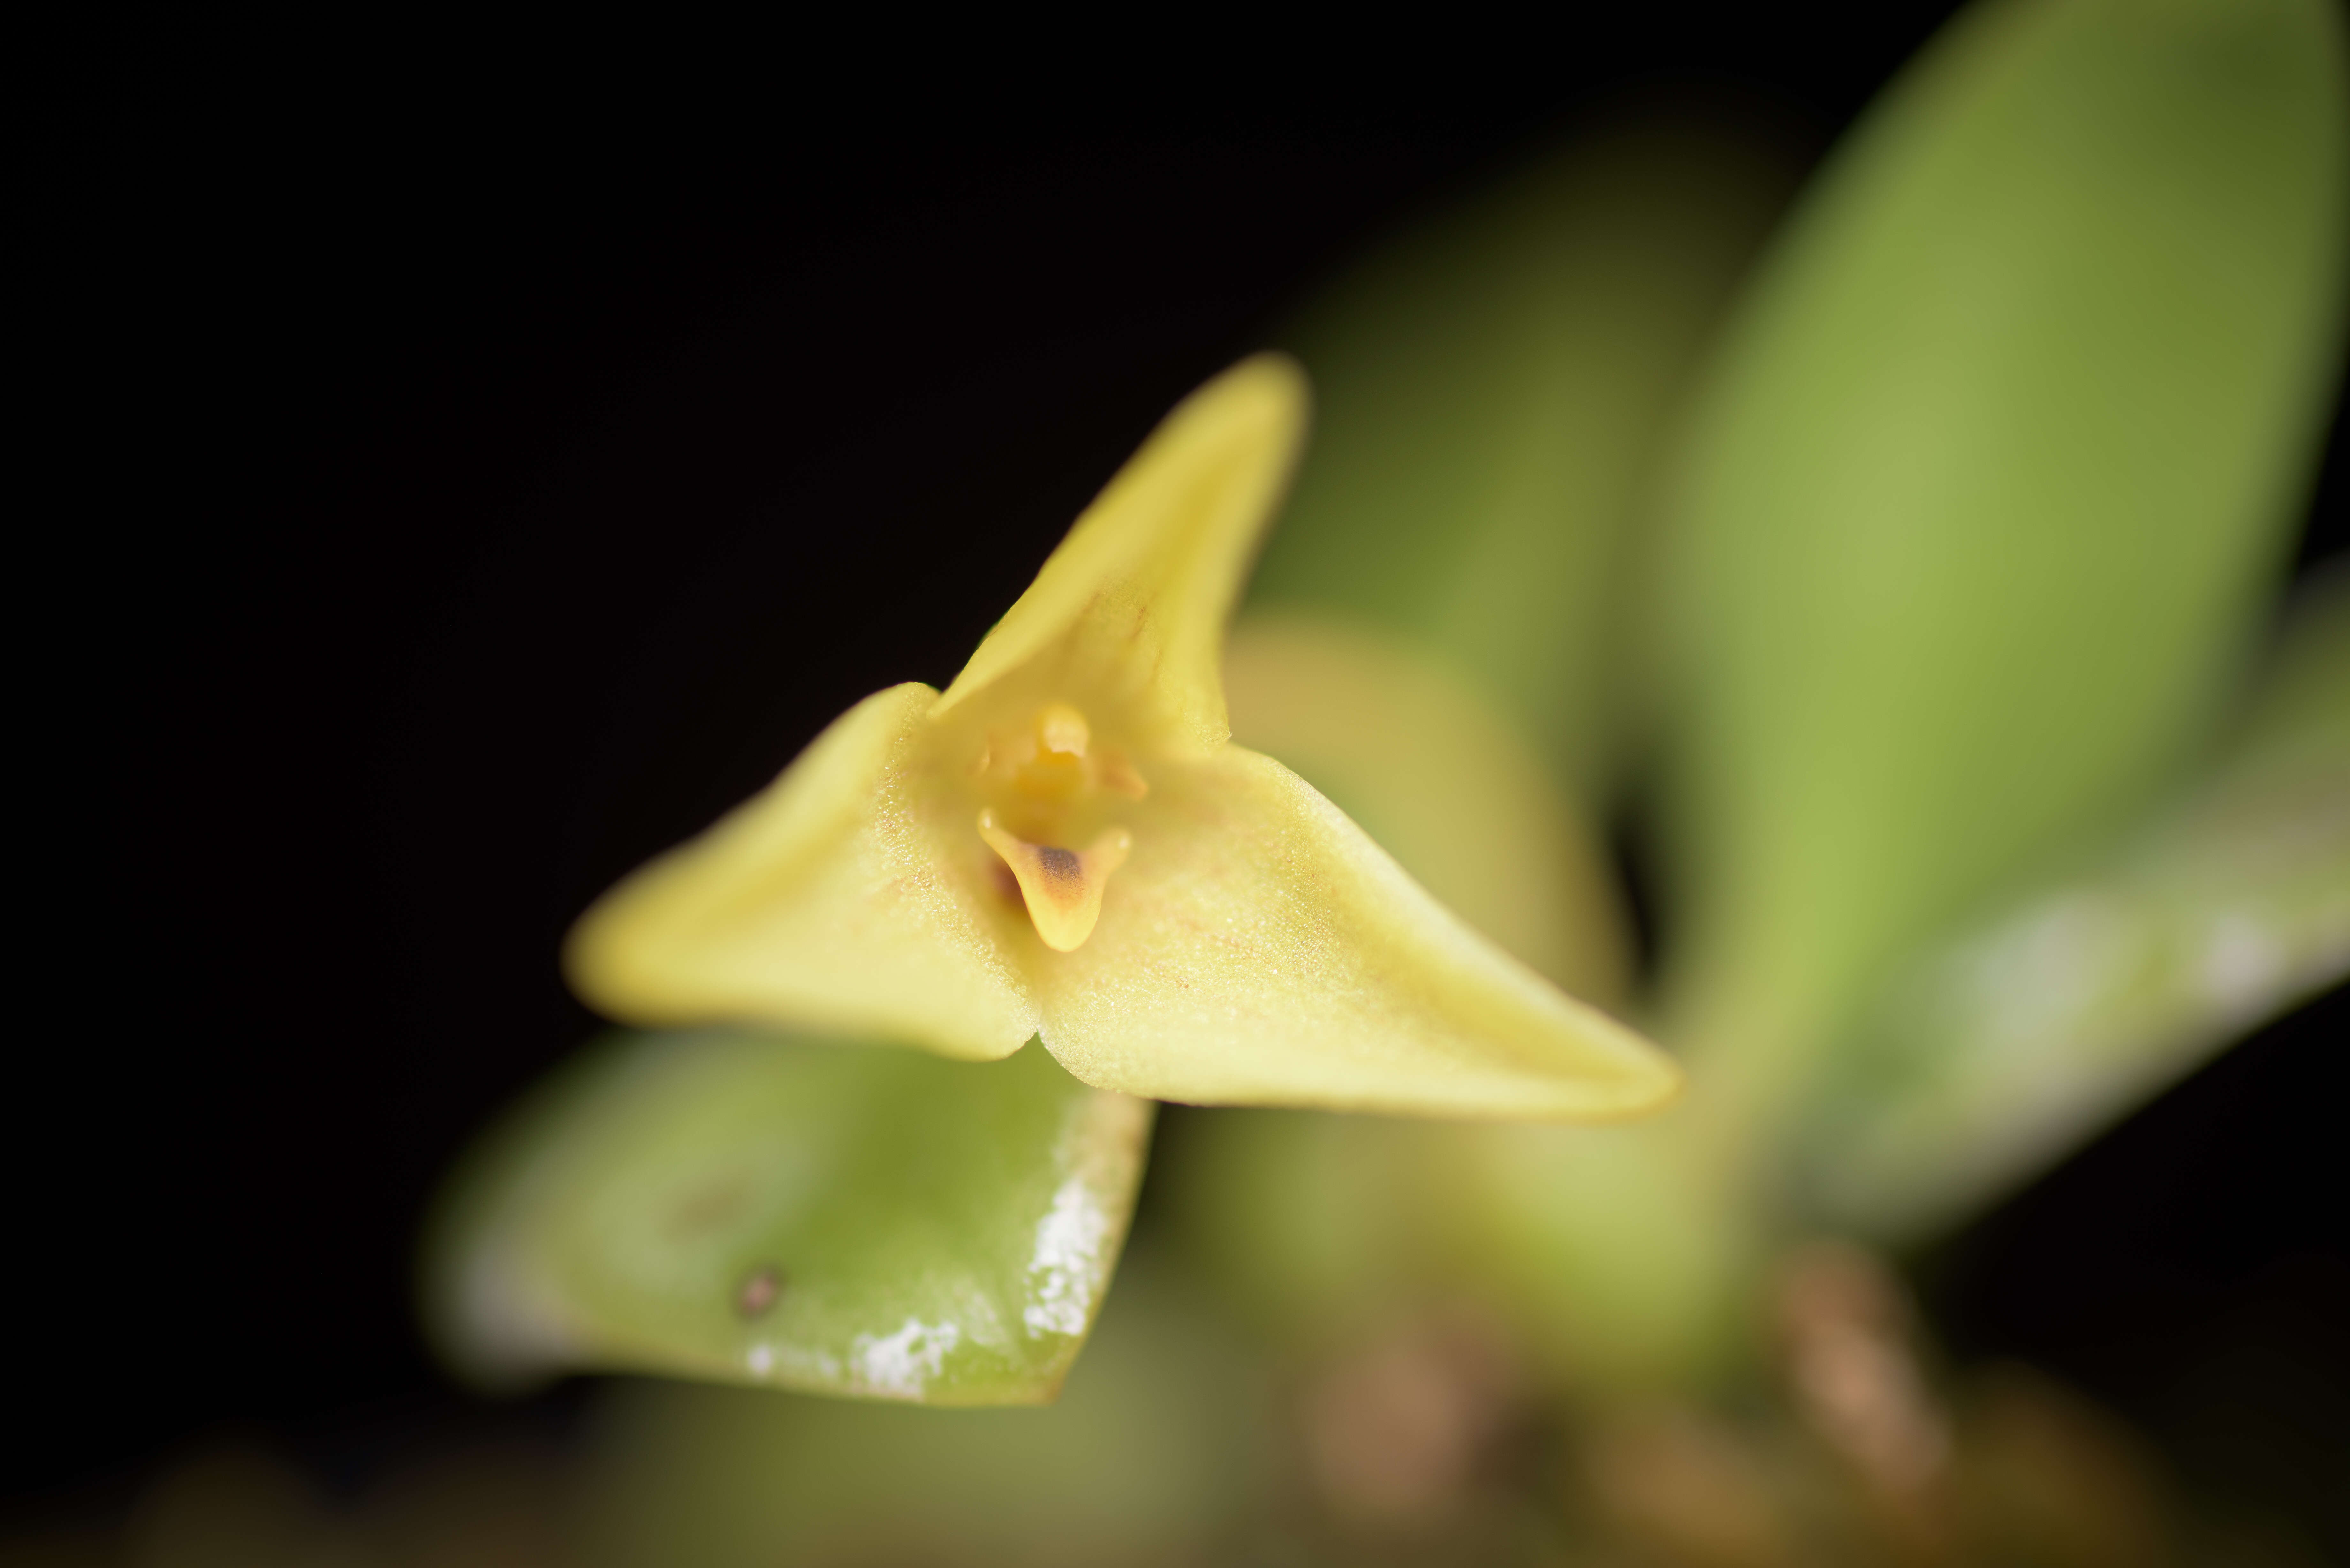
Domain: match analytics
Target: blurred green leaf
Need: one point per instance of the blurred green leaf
(1490, 389)
(1603, 1250)
(753, 1209)
(1991, 484)
(1997, 1053)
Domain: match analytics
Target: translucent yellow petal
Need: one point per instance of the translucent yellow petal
(1258, 948)
(850, 895)
(1428, 769)
(1129, 612)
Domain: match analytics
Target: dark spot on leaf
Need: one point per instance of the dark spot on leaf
(760, 1292)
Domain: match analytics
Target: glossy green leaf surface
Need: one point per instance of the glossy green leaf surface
(758, 1210)
(1490, 387)
(2002, 1050)
(1991, 486)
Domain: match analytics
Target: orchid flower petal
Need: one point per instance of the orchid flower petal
(820, 902)
(1131, 608)
(1262, 951)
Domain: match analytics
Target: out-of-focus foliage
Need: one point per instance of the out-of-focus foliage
(1990, 488)
(1596, 1250)
(1995, 1053)
(1978, 516)
(1164, 1437)
(807, 1215)
(1179, 1443)
(1493, 391)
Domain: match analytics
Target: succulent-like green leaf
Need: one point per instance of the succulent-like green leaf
(1990, 489)
(759, 1209)
(2000, 1051)
(1490, 387)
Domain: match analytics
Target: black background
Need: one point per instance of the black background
(473, 480)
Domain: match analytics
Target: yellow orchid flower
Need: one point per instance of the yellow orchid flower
(1065, 846)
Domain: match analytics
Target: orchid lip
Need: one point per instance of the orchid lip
(1061, 887)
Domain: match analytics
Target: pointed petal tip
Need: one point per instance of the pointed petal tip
(816, 904)
(1652, 1082)
(602, 962)
(1268, 375)
(1135, 598)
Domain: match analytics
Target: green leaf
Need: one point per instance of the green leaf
(1991, 488)
(842, 1219)
(1998, 1051)
(1490, 387)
